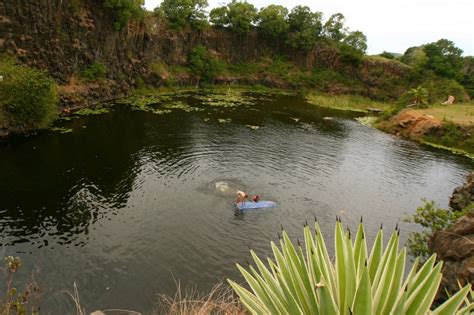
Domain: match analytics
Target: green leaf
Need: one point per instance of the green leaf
(451, 306)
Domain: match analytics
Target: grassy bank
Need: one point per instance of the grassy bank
(355, 103)
(461, 114)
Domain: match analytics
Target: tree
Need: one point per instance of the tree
(468, 75)
(415, 57)
(241, 16)
(202, 64)
(444, 59)
(124, 11)
(305, 27)
(387, 55)
(334, 27)
(356, 40)
(180, 13)
(219, 16)
(304, 280)
(272, 20)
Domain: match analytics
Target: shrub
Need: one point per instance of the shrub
(28, 96)
(432, 219)
(16, 301)
(306, 281)
(203, 65)
(95, 71)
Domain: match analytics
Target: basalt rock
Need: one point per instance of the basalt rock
(65, 37)
(463, 195)
(455, 246)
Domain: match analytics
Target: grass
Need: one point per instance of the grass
(354, 103)
(461, 114)
(220, 300)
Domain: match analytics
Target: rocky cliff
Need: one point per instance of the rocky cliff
(64, 37)
(456, 245)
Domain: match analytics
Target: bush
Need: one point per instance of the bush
(28, 96)
(95, 71)
(432, 219)
(203, 65)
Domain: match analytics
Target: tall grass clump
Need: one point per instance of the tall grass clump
(220, 300)
(345, 102)
(28, 97)
(304, 280)
(13, 300)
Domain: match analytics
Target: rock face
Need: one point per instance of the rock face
(456, 245)
(463, 195)
(412, 125)
(64, 37)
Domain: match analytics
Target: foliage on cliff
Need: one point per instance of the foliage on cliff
(124, 11)
(28, 97)
(432, 219)
(440, 68)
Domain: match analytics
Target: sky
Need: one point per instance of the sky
(392, 26)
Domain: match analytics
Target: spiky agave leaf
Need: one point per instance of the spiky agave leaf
(304, 280)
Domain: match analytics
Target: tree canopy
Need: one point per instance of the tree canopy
(272, 20)
(124, 11)
(180, 13)
(305, 27)
(444, 58)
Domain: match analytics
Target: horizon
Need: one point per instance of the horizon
(424, 21)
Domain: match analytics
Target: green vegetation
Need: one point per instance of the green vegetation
(305, 27)
(440, 68)
(94, 71)
(460, 114)
(306, 281)
(418, 96)
(181, 13)
(124, 11)
(28, 97)
(237, 15)
(272, 21)
(203, 65)
(354, 103)
(432, 219)
(92, 111)
(454, 136)
(15, 301)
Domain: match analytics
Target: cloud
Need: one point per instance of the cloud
(393, 25)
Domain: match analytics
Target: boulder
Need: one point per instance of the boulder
(463, 195)
(455, 246)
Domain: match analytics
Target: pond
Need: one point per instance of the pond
(132, 201)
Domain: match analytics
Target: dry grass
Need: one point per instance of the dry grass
(462, 114)
(221, 300)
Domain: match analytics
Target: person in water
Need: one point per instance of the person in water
(241, 196)
(256, 198)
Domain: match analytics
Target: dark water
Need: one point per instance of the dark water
(131, 201)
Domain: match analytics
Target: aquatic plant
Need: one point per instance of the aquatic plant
(228, 99)
(90, 111)
(357, 283)
(367, 120)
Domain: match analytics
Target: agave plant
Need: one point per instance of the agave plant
(306, 281)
